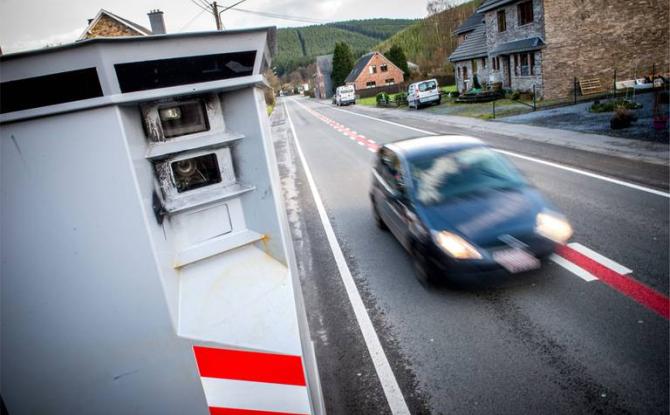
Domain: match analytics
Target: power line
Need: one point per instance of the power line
(201, 6)
(280, 16)
(192, 20)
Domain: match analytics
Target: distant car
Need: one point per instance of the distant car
(461, 209)
(345, 95)
(423, 93)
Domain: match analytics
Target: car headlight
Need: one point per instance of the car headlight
(455, 246)
(553, 227)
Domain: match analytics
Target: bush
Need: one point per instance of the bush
(622, 118)
(401, 98)
(382, 98)
(515, 95)
(612, 105)
(454, 94)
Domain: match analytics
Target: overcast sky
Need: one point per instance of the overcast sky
(26, 24)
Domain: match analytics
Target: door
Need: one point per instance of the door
(392, 207)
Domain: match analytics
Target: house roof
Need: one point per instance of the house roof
(470, 23)
(489, 5)
(473, 47)
(362, 62)
(524, 45)
(132, 25)
(325, 64)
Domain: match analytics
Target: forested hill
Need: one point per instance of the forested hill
(300, 46)
(429, 42)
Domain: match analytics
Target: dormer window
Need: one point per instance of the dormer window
(525, 11)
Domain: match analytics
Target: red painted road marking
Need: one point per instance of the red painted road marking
(628, 286)
(233, 411)
(249, 366)
(346, 131)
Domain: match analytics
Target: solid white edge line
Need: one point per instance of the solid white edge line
(603, 260)
(385, 374)
(573, 268)
(259, 396)
(533, 159)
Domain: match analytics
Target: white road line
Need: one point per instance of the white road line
(575, 269)
(533, 159)
(389, 383)
(603, 260)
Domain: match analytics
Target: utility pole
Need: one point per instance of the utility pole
(217, 16)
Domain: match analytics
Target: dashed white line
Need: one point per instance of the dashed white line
(389, 383)
(573, 268)
(614, 266)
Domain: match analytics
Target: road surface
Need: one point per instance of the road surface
(587, 333)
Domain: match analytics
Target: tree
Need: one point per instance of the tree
(437, 6)
(397, 56)
(343, 63)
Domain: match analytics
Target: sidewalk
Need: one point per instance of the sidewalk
(648, 152)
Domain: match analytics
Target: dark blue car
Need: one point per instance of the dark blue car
(461, 209)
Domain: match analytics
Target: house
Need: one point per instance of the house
(107, 24)
(374, 70)
(323, 83)
(526, 44)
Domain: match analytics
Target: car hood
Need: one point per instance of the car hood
(485, 216)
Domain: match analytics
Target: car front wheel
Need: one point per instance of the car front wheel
(423, 271)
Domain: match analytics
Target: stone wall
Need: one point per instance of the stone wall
(482, 73)
(592, 39)
(108, 27)
(514, 31)
(379, 77)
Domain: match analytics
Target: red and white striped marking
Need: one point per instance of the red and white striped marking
(251, 383)
(590, 266)
(371, 145)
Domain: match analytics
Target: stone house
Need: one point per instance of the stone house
(323, 83)
(374, 70)
(546, 45)
(107, 24)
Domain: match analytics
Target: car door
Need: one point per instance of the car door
(393, 208)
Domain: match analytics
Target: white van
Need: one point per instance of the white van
(345, 95)
(423, 93)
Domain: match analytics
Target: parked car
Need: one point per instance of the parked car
(345, 95)
(461, 209)
(423, 93)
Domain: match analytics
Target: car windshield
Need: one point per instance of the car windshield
(346, 90)
(427, 86)
(459, 173)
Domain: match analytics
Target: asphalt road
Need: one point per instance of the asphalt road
(541, 342)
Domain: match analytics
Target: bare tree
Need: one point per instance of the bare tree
(437, 6)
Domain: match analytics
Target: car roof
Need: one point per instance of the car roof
(423, 146)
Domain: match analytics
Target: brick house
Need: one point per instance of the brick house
(374, 70)
(107, 24)
(547, 44)
(323, 83)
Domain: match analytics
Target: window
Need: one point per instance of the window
(465, 72)
(384, 68)
(390, 81)
(373, 69)
(526, 64)
(525, 11)
(484, 63)
(474, 65)
(371, 84)
(459, 71)
(502, 21)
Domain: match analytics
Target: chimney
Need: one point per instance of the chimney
(157, 22)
